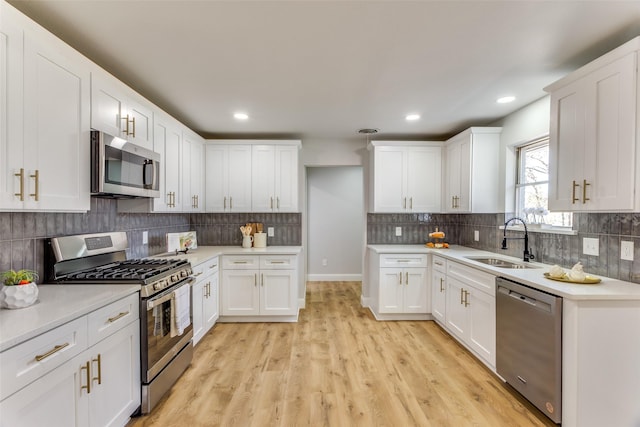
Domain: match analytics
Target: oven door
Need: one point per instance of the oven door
(158, 346)
(120, 168)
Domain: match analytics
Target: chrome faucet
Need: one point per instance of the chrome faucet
(526, 256)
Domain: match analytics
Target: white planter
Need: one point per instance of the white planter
(18, 296)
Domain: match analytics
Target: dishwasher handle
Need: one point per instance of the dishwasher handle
(534, 303)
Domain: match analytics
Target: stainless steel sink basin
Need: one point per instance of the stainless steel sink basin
(502, 263)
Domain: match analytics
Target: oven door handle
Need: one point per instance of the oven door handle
(161, 299)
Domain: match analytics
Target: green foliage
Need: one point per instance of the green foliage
(20, 277)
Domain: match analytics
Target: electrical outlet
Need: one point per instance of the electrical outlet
(476, 235)
(591, 246)
(324, 262)
(270, 232)
(626, 250)
(145, 237)
(398, 231)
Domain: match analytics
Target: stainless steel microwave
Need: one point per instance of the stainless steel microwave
(120, 169)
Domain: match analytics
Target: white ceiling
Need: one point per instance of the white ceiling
(324, 69)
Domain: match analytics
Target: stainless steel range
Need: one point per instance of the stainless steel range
(165, 308)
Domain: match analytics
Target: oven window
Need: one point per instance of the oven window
(159, 339)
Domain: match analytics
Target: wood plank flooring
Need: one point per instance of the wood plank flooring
(337, 366)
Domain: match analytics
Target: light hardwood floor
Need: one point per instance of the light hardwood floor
(337, 366)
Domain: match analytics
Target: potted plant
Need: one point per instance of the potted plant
(19, 288)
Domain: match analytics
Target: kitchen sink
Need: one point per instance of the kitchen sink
(502, 263)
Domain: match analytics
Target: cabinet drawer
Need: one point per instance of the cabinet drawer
(206, 268)
(32, 359)
(439, 264)
(113, 317)
(241, 262)
(277, 262)
(403, 260)
(472, 277)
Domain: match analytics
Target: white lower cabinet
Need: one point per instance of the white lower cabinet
(400, 286)
(100, 386)
(205, 298)
(439, 289)
(259, 285)
(470, 310)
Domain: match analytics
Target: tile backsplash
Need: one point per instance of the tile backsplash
(565, 250)
(23, 235)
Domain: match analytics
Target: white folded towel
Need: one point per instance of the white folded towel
(180, 310)
(158, 327)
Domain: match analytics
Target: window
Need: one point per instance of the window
(532, 186)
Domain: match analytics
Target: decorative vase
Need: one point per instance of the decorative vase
(18, 296)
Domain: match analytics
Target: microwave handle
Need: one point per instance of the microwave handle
(153, 172)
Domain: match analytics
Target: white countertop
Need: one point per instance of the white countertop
(607, 289)
(56, 305)
(203, 253)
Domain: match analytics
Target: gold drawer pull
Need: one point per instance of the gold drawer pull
(239, 262)
(584, 191)
(36, 177)
(21, 176)
(277, 262)
(113, 319)
(87, 366)
(197, 274)
(55, 349)
(213, 266)
(574, 199)
(99, 377)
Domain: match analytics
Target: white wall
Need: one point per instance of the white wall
(526, 124)
(335, 218)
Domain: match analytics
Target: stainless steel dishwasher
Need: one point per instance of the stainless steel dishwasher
(529, 344)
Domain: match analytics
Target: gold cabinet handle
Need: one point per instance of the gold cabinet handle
(411, 203)
(406, 282)
(87, 366)
(21, 176)
(99, 377)
(438, 263)
(169, 200)
(197, 201)
(230, 202)
(441, 284)
(213, 266)
(261, 279)
(114, 318)
(57, 348)
(271, 202)
(401, 277)
(574, 199)
(133, 120)
(404, 203)
(36, 177)
(584, 191)
(197, 274)
(126, 123)
(278, 203)
(239, 262)
(466, 298)
(453, 205)
(276, 262)
(255, 279)
(461, 296)
(224, 207)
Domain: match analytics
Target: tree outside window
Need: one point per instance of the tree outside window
(532, 188)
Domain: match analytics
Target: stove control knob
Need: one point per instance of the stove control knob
(183, 273)
(157, 286)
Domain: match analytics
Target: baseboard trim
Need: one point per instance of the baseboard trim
(334, 277)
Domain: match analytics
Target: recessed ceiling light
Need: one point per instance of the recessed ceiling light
(505, 99)
(241, 116)
(412, 117)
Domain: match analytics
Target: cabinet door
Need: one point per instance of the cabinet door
(389, 179)
(54, 400)
(610, 135)
(240, 293)
(11, 97)
(286, 178)
(453, 177)
(438, 296)
(463, 203)
(456, 320)
(167, 141)
(140, 124)
(416, 295)
(278, 292)
(263, 171)
(115, 373)
(211, 303)
(238, 169)
(424, 179)
(197, 158)
(198, 293)
(391, 290)
(56, 132)
(106, 106)
(482, 324)
(216, 178)
(566, 146)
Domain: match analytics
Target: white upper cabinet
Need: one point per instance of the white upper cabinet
(44, 112)
(167, 141)
(252, 176)
(274, 178)
(594, 133)
(192, 176)
(406, 176)
(119, 111)
(472, 168)
(228, 177)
